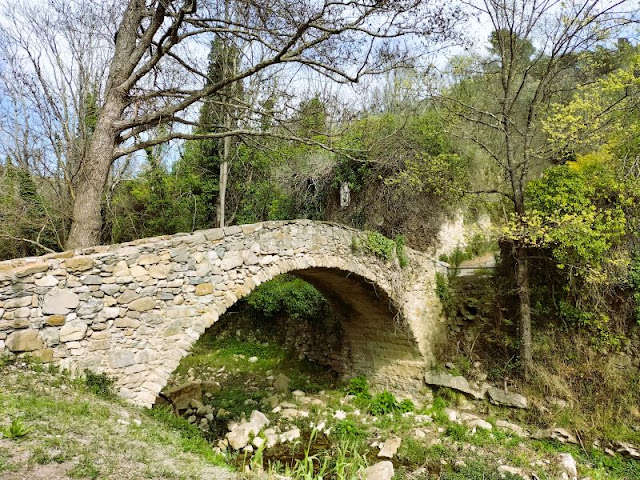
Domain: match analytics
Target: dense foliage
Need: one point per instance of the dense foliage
(287, 295)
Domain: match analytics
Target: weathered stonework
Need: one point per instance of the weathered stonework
(133, 310)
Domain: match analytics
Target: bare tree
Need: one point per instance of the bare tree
(535, 46)
(51, 80)
(156, 74)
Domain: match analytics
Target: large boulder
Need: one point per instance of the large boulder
(509, 399)
(455, 382)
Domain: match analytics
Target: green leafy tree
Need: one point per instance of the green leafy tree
(518, 83)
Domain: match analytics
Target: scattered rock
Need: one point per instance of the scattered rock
(512, 427)
(510, 399)
(627, 450)
(560, 434)
(290, 435)
(423, 419)
(390, 448)
(288, 413)
(567, 466)
(452, 415)
(379, 471)
(504, 469)
(479, 423)
(182, 395)
(281, 384)
(258, 442)
(239, 435)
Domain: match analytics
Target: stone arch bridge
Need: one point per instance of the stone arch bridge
(133, 310)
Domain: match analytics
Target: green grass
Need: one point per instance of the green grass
(77, 431)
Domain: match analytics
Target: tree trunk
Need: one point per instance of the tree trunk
(522, 281)
(224, 174)
(86, 220)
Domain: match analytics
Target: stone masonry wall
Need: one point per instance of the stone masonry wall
(134, 310)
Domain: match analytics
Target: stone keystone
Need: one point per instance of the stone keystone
(24, 341)
(59, 302)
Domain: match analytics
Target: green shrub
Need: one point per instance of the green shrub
(98, 383)
(377, 244)
(288, 295)
(634, 280)
(17, 429)
(442, 288)
(401, 251)
(385, 402)
(359, 386)
(457, 432)
(348, 430)
(406, 405)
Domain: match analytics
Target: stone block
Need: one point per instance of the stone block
(127, 296)
(17, 302)
(45, 355)
(160, 272)
(120, 358)
(24, 341)
(73, 330)
(204, 289)
(92, 280)
(148, 259)
(126, 322)
(79, 264)
(47, 281)
(142, 304)
(59, 302)
(27, 270)
(232, 260)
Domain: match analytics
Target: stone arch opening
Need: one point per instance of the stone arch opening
(381, 344)
(375, 339)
